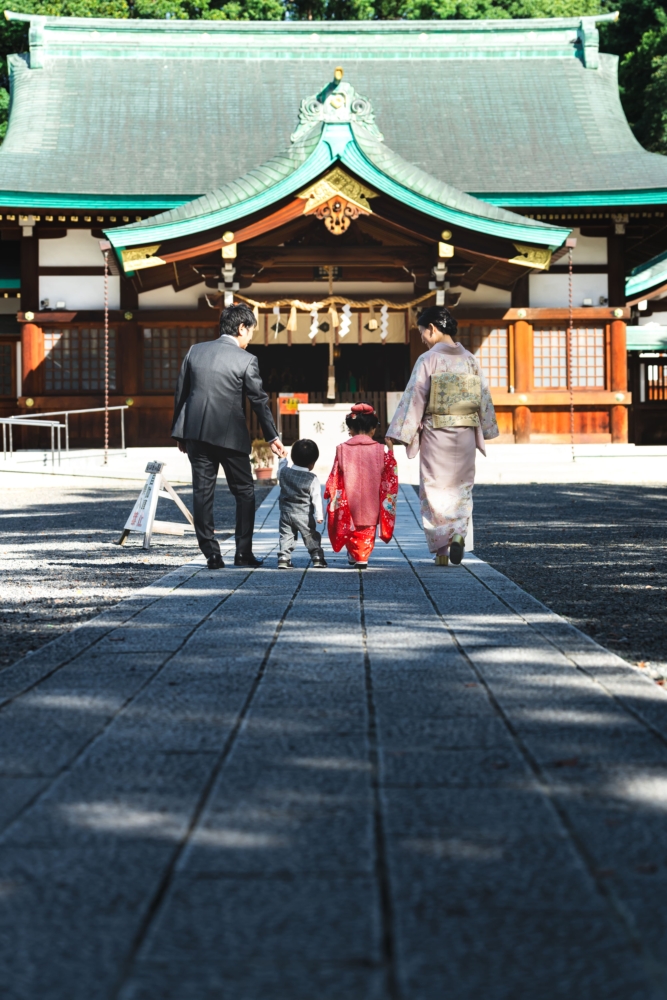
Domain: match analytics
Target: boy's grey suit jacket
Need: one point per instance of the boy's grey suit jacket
(209, 402)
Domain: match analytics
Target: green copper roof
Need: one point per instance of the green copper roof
(337, 125)
(652, 337)
(647, 276)
(149, 109)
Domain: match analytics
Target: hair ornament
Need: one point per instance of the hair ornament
(362, 408)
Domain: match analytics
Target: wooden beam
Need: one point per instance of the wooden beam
(319, 256)
(286, 214)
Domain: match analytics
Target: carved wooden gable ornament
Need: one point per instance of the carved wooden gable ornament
(337, 198)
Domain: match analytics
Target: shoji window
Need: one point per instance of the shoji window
(550, 359)
(586, 365)
(587, 362)
(164, 349)
(74, 359)
(6, 380)
(489, 345)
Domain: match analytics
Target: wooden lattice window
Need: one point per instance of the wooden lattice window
(587, 361)
(489, 345)
(164, 350)
(74, 359)
(6, 370)
(550, 359)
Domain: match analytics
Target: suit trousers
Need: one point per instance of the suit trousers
(205, 460)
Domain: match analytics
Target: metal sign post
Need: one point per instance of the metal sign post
(142, 519)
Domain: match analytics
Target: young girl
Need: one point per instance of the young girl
(361, 489)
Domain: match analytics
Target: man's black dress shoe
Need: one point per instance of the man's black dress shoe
(246, 560)
(215, 562)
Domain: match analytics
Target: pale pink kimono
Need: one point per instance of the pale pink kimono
(447, 454)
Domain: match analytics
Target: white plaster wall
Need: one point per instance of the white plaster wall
(78, 249)
(589, 250)
(79, 291)
(484, 296)
(551, 290)
(167, 298)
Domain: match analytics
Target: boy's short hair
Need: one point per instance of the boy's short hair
(305, 452)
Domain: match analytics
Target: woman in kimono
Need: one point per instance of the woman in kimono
(361, 489)
(445, 413)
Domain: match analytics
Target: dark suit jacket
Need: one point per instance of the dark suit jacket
(209, 403)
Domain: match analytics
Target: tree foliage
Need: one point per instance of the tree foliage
(638, 38)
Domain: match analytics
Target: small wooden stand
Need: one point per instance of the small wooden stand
(142, 518)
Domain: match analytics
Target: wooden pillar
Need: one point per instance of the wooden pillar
(520, 293)
(523, 378)
(32, 359)
(129, 300)
(30, 274)
(618, 381)
(616, 269)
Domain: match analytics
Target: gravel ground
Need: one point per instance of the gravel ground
(59, 566)
(595, 554)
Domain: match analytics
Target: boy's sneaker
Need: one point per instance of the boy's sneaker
(284, 562)
(319, 562)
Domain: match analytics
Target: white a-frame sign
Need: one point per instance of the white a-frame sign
(142, 518)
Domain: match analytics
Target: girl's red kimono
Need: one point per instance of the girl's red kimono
(362, 489)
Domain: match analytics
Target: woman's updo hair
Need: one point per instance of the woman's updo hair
(362, 418)
(441, 318)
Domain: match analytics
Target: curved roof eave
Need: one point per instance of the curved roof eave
(336, 143)
(645, 277)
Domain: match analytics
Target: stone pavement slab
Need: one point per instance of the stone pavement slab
(408, 783)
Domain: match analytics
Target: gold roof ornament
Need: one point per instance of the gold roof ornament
(137, 258)
(337, 199)
(337, 182)
(538, 257)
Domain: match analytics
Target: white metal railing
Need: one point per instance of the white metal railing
(36, 420)
(11, 422)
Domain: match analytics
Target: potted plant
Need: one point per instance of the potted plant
(262, 459)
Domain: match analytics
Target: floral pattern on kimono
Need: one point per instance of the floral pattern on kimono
(341, 527)
(409, 416)
(447, 454)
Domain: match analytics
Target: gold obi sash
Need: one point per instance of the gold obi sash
(455, 399)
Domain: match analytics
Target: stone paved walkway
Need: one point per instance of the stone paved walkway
(413, 783)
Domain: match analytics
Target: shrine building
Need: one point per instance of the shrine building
(336, 176)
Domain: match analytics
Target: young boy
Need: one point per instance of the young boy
(300, 504)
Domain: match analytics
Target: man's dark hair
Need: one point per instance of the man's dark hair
(233, 317)
(440, 317)
(305, 452)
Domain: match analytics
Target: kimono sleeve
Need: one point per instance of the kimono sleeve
(409, 413)
(487, 413)
(339, 519)
(388, 497)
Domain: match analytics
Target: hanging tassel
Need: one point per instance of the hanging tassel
(372, 322)
(291, 322)
(333, 315)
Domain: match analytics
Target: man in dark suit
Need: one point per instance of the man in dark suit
(210, 425)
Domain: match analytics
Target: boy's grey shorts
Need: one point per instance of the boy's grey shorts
(294, 522)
